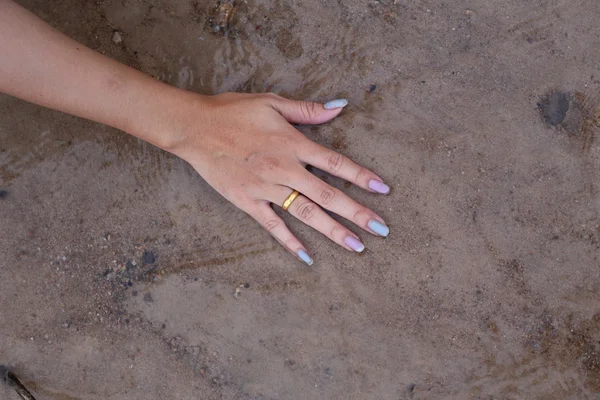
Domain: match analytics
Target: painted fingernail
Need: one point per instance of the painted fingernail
(333, 104)
(379, 228)
(379, 186)
(354, 244)
(303, 255)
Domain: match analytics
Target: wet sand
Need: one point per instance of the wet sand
(120, 265)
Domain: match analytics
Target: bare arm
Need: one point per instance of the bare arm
(45, 67)
(242, 145)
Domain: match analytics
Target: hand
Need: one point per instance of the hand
(244, 146)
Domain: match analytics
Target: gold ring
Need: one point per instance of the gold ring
(290, 199)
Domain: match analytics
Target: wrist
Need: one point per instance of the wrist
(161, 114)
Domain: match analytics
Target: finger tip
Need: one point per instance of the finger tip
(336, 104)
(303, 255)
(377, 186)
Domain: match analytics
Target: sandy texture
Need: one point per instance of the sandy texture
(119, 264)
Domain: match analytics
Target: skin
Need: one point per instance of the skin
(243, 145)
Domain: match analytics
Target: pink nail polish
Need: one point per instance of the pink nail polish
(379, 186)
(354, 244)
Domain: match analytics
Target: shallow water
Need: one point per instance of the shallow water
(486, 288)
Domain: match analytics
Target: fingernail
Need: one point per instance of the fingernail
(354, 244)
(303, 255)
(379, 186)
(379, 228)
(333, 104)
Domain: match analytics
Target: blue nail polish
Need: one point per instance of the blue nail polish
(333, 104)
(379, 228)
(303, 255)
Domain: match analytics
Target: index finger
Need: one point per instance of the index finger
(341, 166)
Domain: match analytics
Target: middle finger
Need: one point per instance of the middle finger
(314, 216)
(336, 201)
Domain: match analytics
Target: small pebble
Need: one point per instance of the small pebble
(117, 37)
(3, 194)
(372, 88)
(148, 257)
(246, 285)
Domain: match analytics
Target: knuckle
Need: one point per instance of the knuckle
(362, 174)
(282, 141)
(335, 232)
(335, 161)
(271, 99)
(289, 243)
(359, 213)
(236, 193)
(271, 96)
(327, 196)
(271, 163)
(271, 224)
(308, 109)
(306, 210)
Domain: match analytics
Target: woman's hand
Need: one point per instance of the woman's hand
(244, 146)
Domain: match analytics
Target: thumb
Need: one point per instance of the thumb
(308, 112)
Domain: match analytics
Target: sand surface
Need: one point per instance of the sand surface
(120, 264)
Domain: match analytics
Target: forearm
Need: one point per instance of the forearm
(45, 67)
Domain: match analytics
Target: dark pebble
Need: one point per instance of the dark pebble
(195, 279)
(372, 88)
(129, 265)
(163, 326)
(148, 257)
(3, 194)
(554, 107)
(411, 387)
(246, 285)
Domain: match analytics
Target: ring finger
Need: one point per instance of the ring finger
(312, 215)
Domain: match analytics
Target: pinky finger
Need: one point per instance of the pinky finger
(267, 218)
